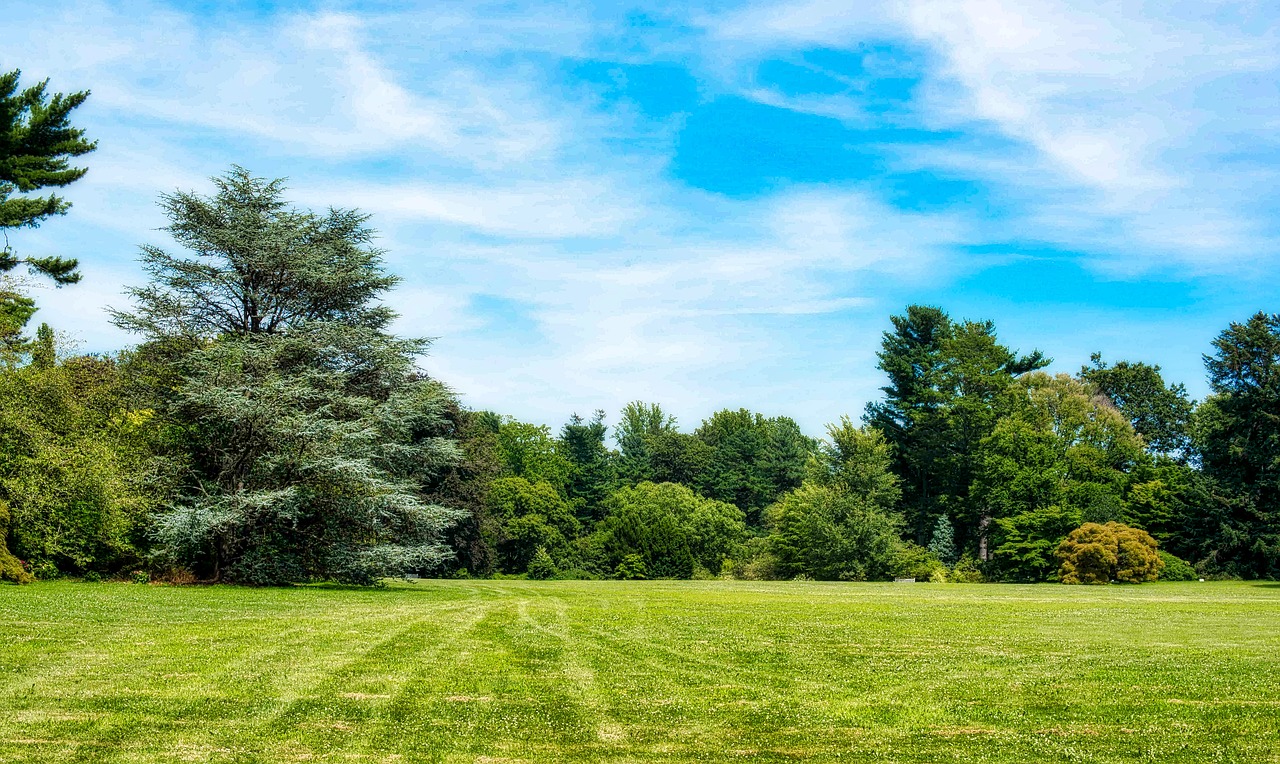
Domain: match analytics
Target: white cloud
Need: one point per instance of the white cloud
(543, 236)
(1128, 110)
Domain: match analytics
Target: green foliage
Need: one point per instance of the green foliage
(943, 544)
(529, 451)
(677, 457)
(311, 437)
(967, 570)
(637, 423)
(920, 563)
(592, 472)
(465, 486)
(632, 568)
(16, 309)
(78, 466)
(829, 535)
(1057, 451)
(1025, 544)
(944, 380)
(542, 567)
(1175, 568)
(10, 567)
(528, 517)
(1160, 413)
(1237, 436)
(754, 459)
(1099, 554)
(858, 461)
(842, 522)
(37, 143)
(671, 528)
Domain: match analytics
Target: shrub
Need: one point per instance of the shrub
(575, 574)
(670, 527)
(914, 561)
(1097, 554)
(831, 535)
(542, 567)
(1176, 568)
(1024, 544)
(10, 567)
(631, 568)
(967, 571)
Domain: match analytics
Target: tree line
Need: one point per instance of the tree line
(269, 428)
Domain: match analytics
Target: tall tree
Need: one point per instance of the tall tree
(311, 435)
(944, 379)
(754, 460)
(1238, 441)
(1058, 455)
(1159, 412)
(37, 143)
(592, 472)
(638, 422)
(842, 522)
(78, 467)
(530, 451)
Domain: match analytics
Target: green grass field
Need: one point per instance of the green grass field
(505, 671)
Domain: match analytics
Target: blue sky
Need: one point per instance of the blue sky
(704, 204)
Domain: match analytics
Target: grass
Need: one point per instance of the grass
(507, 671)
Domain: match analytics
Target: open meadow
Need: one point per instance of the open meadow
(505, 671)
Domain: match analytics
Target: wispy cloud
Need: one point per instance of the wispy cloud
(528, 165)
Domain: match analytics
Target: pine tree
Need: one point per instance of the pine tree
(542, 567)
(36, 142)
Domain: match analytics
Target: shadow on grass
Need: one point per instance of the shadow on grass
(1271, 585)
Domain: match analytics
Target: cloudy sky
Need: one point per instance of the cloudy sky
(704, 204)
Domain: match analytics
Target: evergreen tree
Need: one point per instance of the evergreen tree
(311, 436)
(36, 144)
(944, 380)
(637, 424)
(591, 466)
(754, 459)
(943, 543)
(1238, 441)
(542, 567)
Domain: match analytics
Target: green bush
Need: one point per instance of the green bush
(78, 472)
(575, 574)
(915, 561)
(10, 567)
(832, 535)
(1176, 568)
(631, 568)
(967, 570)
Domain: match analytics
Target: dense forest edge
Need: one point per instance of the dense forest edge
(268, 428)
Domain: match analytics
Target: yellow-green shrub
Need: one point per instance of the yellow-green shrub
(1098, 554)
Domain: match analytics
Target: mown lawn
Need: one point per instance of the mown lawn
(648, 671)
